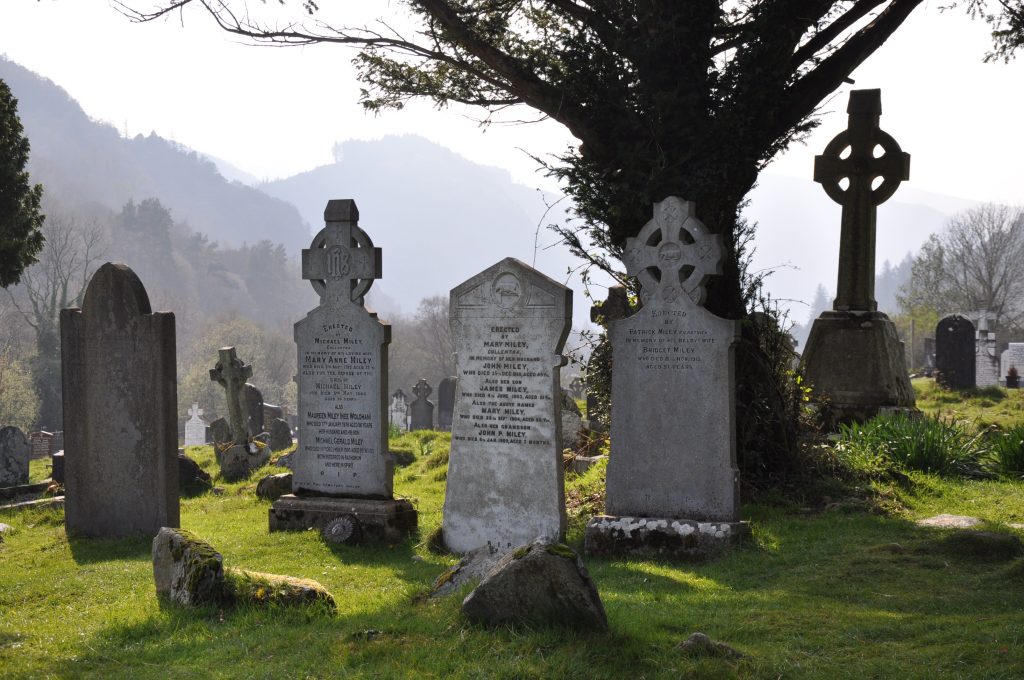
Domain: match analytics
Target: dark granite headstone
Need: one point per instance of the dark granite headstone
(42, 444)
(446, 403)
(422, 409)
(120, 410)
(253, 408)
(220, 432)
(955, 352)
(280, 434)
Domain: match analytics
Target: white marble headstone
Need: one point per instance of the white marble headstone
(195, 427)
(342, 367)
(673, 444)
(509, 324)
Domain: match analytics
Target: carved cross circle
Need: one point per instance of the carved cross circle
(892, 166)
(673, 254)
(341, 263)
(422, 389)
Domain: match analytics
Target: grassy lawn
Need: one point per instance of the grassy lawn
(817, 594)
(980, 406)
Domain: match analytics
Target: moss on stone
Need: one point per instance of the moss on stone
(256, 588)
(522, 552)
(561, 550)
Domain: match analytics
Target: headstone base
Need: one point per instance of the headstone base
(857, 360)
(682, 539)
(383, 520)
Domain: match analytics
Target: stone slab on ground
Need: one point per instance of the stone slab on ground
(187, 570)
(580, 464)
(473, 566)
(945, 521)
(677, 538)
(55, 502)
(256, 587)
(537, 584)
(388, 520)
(8, 493)
(273, 487)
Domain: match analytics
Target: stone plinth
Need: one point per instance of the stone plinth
(857, 361)
(675, 538)
(387, 520)
(505, 486)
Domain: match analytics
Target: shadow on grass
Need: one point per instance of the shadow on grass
(93, 550)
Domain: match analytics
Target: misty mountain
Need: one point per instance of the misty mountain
(438, 217)
(85, 161)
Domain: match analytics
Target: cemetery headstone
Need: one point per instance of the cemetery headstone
(504, 489)
(398, 413)
(58, 441)
(572, 421)
(120, 410)
(245, 453)
(342, 468)
(14, 455)
(41, 443)
(422, 409)
(280, 434)
(854, 354)
(271, 411)
(220, 432)
(954, 352)
(195, 427)
(252, 400)
(576, 387)
(446, 403)
(986, 371)
(672, 480)
(929, 355)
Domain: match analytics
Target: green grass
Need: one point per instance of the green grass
(979, 407)
(833, 594)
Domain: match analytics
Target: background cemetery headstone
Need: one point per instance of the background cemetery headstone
(120, 410)
(955, 361)
(986, 370)
(195, 427)
(398, 412)
(422, 409)
(41, 443)
(854, 354)
(14, 456)
(504, 488)
(672, 480)
(446, 403)
(245, 413)
(280, 434)
(342, 469)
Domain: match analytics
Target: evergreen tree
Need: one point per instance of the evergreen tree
(21, 222)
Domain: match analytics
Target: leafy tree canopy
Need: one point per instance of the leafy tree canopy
(20, 220)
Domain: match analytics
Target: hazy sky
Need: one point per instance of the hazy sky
(277, 111)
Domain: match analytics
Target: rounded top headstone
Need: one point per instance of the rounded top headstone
(116, 294)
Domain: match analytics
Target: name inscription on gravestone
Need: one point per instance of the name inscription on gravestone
(504, 488)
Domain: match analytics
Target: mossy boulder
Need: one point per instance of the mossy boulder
(187, 570)
(541, 584)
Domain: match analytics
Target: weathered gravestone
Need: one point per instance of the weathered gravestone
(672, 480)
(1015, 357)
(854, 354)
(120, 410)
(504, 489)
(422, 409)
(42, 444)
(195, 427)
(954, 352)
(280, 434)
(986, 363)
(398, 412)
(576, 387)
(252, 405)
(14, 454)
(343, 471)
(446, 403)
(220, 433)
(245, 453)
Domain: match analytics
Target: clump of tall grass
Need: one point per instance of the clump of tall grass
(1008, 450)
(915, 443)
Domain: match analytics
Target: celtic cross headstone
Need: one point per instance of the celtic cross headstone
(854, 357)
(342, 467)
(672, 479)
(230, 372)
(422, 409)
(851, 157)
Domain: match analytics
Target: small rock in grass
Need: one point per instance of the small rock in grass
(700, 644)
(273, 487)
(949, 521)
(539, 584)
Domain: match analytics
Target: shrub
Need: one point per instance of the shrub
(923, 444)
(1008, 450)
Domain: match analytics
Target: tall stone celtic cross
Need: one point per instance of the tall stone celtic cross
(673, 255)
(231, 373)
(194, 411)
(856, 287)
(341, 262)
